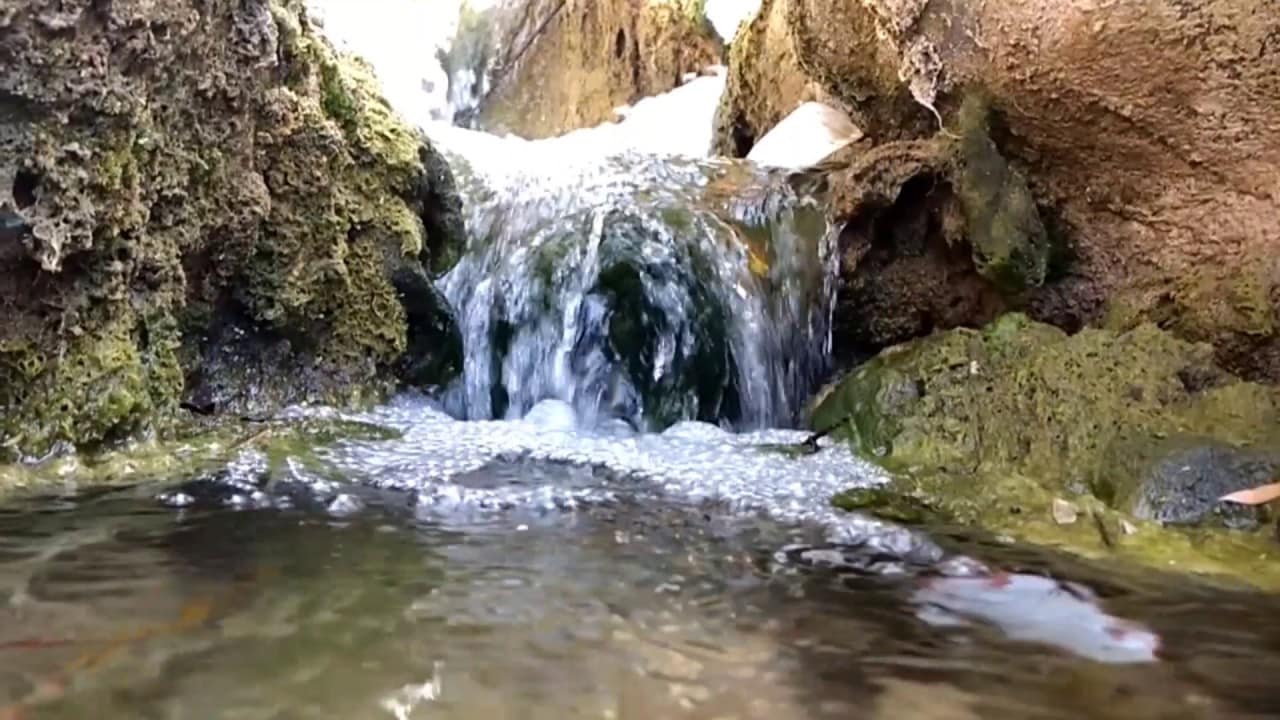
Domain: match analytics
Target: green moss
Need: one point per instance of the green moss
(265, 210)
(384, 143)
(1020, 508)
(371, 322)
(94, 391)
(195, 448)
(117, 166)
(990, 427)
(1010, 245)
(891, 502)
(334, 98)
(340, 225)
(21, 362)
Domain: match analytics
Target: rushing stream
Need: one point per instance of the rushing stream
(604, 517)
(638, 287)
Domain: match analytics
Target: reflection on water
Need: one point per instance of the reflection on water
(112, 606)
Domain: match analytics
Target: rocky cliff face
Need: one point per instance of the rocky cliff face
(1144, 133)
(765, 82)
(560, 65)
(200, 202)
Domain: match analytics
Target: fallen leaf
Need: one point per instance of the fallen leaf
(1064, 513)
(1127, 527)
(1260, 495)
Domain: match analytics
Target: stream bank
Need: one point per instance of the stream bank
(204, 206)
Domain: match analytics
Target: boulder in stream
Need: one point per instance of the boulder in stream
(200, 202)
(990, 427)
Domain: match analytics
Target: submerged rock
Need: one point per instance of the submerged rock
(992, 427)
(198, 202)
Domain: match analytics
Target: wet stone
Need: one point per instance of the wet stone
(1184, 487)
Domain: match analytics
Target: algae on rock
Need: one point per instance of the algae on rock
(213, 215)
(989, 427)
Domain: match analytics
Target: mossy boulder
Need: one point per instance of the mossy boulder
(185, 182)
(993, 427)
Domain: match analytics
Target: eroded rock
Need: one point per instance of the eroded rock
(560, 65)
(1144, 132)
(176, 174)
(993, 427)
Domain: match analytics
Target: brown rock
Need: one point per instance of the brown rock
(906, 267)
(1146, 132)
(765, 82)
(566, 64)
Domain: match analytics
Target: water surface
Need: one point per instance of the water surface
(262, 591)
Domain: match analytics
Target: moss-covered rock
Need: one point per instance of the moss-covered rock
(198, 448)
(182, 184)
(991, 427)
(1010, 245)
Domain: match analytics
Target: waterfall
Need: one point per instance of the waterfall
(615, 268)
(635, 285)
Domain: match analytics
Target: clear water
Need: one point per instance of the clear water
(615, 533)
(277, 588)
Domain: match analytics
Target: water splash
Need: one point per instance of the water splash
(401, 40)
(648, 287)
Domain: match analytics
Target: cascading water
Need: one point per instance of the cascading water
(538, 559)
(648, 288)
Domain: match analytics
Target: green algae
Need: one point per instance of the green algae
(197, 448)
(989, 428)
(272, 196)
(334, 98)
(96, 389)
(1010, 245)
